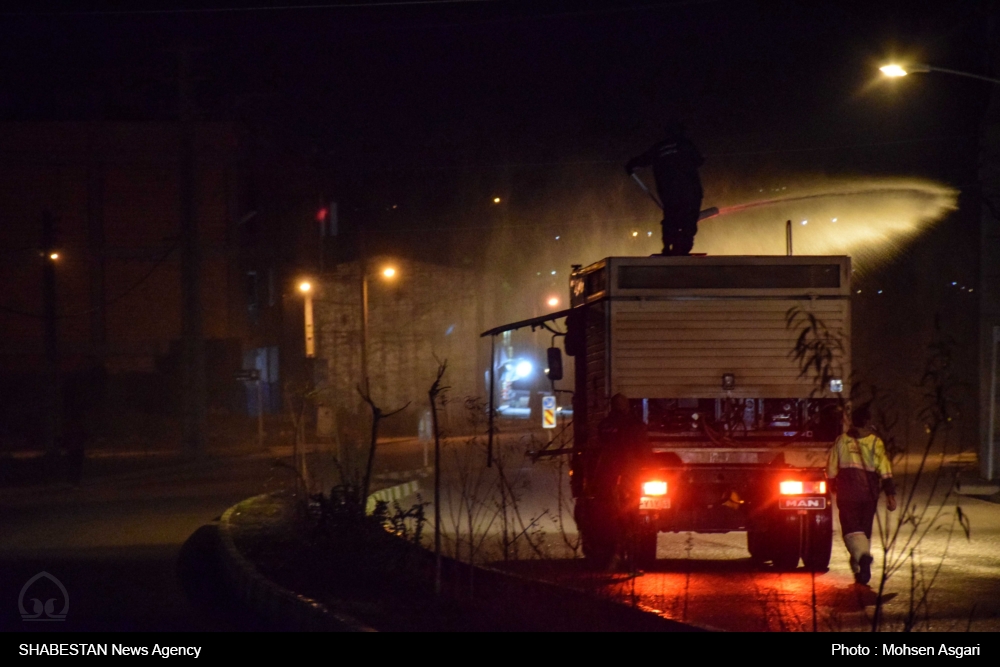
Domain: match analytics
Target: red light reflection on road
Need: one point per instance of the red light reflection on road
(725, 595)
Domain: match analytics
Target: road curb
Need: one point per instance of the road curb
(270, 600)
(276, 603)
(976, 487)
(391, 493)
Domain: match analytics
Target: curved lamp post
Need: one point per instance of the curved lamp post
(895, 70)
(988, 468)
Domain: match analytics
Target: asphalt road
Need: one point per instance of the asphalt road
(134, 552)
(119, 544)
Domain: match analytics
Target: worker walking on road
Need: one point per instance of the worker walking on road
(624, 449)
(860, 469)
(675, 162)
(623, 440)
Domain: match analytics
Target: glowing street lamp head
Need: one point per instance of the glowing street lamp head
(523, 369)
(305, 286)
(496, 200)
(54, 256)
(389, 272)
(553, 301)
(893, 70)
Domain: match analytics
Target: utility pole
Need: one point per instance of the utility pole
(96, 242)
(52, 391)
(989, 255)
(194, 396)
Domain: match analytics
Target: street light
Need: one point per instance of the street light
(306, 288)
(388, 272)
(988, 330)
(896, 70)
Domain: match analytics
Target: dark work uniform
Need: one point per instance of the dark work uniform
(624, 446)
(675, 162)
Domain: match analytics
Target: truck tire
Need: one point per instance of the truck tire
(597, 537)
(787, 559)
(818, 543)
(757, 545)
(786, 541)
(597, 549)
(643, 548)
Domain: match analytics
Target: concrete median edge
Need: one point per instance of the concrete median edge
(270, 600)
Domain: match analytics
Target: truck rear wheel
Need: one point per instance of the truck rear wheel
(785, 541)
(757, 545)
(597, 537)
(787, 558)
(818, 543)
(597, 549)
(643, 548)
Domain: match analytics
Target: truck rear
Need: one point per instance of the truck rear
(737, 434)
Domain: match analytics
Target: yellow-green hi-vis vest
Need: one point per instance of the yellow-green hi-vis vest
(860, 456)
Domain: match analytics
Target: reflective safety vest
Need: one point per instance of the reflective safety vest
(864, 455)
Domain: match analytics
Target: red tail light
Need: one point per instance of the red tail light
(654, 488)
(796, 488)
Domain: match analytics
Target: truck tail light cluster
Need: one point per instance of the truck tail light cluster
(654, 488)
(795, 488)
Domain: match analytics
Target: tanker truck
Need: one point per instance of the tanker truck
(737, 434)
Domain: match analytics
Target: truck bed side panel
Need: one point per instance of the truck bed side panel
(680, 348)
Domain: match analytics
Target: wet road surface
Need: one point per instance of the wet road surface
(120, 545)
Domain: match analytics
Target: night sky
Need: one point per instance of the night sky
(415, 117)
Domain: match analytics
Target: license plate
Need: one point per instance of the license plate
(646, 503)
(802, 503)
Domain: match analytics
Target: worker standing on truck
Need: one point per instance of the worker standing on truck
(675, 162)
(860, 469)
